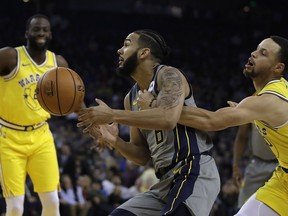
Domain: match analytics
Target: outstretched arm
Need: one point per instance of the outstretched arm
(173, 88)
(249, 109)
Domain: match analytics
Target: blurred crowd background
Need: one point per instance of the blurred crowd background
(210, 40)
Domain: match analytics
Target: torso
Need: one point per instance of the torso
(172, 146)
(276, 137)
(18, 89)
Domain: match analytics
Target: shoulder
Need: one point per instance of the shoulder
(8, 60)
(61, 61)
(8, 51)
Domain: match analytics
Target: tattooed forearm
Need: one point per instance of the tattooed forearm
(170, 84)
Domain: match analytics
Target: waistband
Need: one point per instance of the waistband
(162, 171)
(21, 127)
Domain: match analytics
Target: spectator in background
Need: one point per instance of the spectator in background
(72, 202)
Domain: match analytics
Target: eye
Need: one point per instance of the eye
(263, 52)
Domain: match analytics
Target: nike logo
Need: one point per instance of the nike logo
(134, 102)
(25, 64)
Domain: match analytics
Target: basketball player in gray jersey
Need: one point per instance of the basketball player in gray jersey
(189, 179)
(261, 166)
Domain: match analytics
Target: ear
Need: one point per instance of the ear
(279, 68)
(26, 35)
(144, 52)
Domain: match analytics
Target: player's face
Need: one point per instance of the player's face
(263, 59)
(128, 56)
(39, 34)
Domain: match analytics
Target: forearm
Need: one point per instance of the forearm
(138, 154)
(198, 118)
(207, 120)
(152, 119)
(238, 152)
(240, 144)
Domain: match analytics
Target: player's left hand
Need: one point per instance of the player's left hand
(105, 136)
(98, 115)
(144, 100)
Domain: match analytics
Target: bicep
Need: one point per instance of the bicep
(136, 137)
(245, 112)
(172, 87)
(8, 60)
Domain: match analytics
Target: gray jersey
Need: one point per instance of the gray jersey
(187, 173)
(259, 147)
(170, 147)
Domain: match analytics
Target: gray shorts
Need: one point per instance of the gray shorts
(196, 184)
(256, 174)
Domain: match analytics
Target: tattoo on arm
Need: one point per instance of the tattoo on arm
(170, 84)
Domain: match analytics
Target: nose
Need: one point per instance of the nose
(120, 51)
(41, 32)
(253, 54)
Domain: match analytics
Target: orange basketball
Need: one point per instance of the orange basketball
(60, 91)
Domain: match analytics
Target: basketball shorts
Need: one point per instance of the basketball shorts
(195, 184)
(275, 192)
(27, 152)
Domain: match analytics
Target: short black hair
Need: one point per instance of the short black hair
(283, 53)
(153, 40)
(28, 22)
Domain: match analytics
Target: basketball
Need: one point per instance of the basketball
(60, 91)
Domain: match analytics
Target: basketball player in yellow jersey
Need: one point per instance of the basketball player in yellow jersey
(268, 109)
(26, 143)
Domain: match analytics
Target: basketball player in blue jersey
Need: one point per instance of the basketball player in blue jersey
(26, 143)
(189, 179)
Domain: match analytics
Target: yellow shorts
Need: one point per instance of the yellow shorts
(31, 152)
(275, 192)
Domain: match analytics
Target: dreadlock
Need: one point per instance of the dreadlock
(155, 42)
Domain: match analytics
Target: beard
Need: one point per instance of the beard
(249, 74)
(129, 66)
(35, 46)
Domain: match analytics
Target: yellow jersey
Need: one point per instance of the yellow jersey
(276, 137)
(17, 90)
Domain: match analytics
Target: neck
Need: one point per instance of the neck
(144, 75)
(38, 56)
(259, 85)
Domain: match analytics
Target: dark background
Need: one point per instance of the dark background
(210, 40)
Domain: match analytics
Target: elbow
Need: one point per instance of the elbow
(141, 161)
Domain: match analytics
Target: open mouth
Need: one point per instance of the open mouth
(250, 63)
(121, 60)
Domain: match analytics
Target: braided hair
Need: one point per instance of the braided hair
(155, 42)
